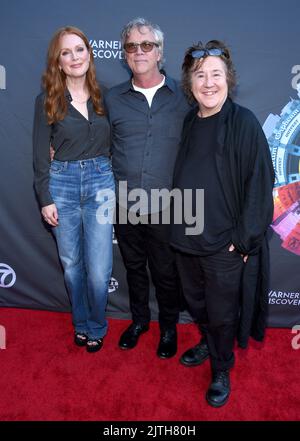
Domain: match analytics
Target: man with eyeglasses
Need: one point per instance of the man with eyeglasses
(146, 115)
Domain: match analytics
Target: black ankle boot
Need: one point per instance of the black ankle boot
(219, 389)
(167, 347)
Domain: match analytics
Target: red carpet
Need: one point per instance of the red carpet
(44, 376)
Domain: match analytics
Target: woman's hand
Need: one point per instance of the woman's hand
(52, 153)
(232, 248)
(50, 215)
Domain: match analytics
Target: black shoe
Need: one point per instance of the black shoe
(80, 339)
(195, 355)
(219, 389)
(130, 336)
(167, 344)
(94, 345)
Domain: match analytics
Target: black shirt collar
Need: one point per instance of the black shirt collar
(68, 95)
(69, 98)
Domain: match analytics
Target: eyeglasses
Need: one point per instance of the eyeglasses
(205, 52)
(146, 46)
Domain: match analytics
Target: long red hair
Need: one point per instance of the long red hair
(54, 79)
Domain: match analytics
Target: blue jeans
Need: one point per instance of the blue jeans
(84, 194)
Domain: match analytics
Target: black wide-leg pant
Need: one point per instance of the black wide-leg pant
(211, 287)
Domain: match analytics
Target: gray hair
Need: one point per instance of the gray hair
(138, 23)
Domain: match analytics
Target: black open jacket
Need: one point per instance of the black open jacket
(245, 169)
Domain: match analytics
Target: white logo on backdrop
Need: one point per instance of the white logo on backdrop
(108, 49)
(113, 285)
(7, 276)
(284, 298)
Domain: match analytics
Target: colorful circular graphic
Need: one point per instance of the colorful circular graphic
(283, 134)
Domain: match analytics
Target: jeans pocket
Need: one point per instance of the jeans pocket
(56, 168)
(104, 168)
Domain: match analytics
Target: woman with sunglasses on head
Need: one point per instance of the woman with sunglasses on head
(76, 189)
(223, 270)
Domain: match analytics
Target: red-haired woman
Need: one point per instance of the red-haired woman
(76, 189)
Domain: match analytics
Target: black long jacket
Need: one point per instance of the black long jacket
(245, 169)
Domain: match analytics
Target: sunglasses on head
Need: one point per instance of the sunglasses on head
(146, 46)
(205, 52)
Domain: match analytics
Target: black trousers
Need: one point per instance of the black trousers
(211, 286)
(144, 244)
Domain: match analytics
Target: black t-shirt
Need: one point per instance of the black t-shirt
(199, 171)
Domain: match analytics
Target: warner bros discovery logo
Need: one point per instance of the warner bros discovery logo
(106, 49)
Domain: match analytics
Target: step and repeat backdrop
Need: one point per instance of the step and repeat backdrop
(264, 39)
